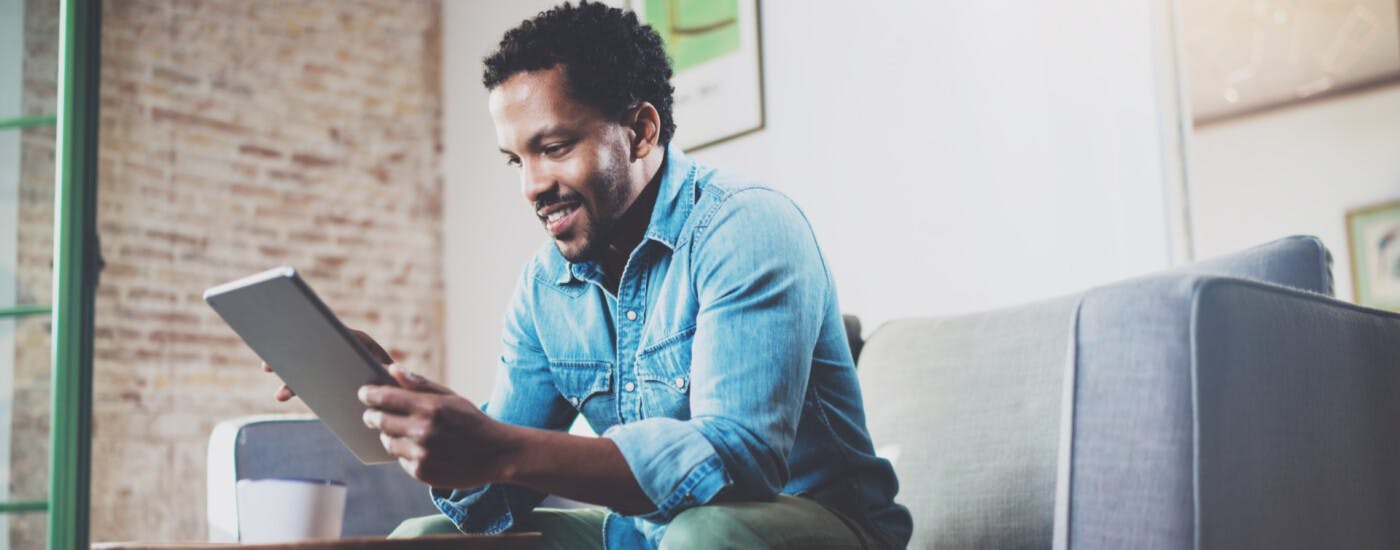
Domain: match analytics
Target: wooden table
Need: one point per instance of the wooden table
(509, 541)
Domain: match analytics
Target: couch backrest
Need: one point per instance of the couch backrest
(968, 409)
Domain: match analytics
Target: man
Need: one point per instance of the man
(686, 313)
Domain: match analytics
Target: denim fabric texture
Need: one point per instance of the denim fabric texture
(720, 369)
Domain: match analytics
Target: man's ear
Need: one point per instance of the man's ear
(644, 124)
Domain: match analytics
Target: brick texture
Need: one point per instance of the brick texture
(236, 136)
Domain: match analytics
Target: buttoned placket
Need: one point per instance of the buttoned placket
(629, 318)
(628, 310)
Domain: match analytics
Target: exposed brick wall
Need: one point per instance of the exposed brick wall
(236, 136)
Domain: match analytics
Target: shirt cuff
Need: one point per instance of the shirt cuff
(674, 464)
(491, 510)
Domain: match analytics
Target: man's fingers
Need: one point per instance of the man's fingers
(283, 393)
(374, 348)
(394, 400)
(402, 448)
(410, 466)
(394, 425)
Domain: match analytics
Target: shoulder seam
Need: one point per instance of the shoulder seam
(730, 193)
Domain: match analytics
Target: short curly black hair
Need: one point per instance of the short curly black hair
(611, 60)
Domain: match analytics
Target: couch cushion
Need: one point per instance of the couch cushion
(968, 409)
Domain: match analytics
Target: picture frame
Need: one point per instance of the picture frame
(1373, 238)
(1245, 58)
(716, 53)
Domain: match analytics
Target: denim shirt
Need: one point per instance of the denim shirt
(720, 369)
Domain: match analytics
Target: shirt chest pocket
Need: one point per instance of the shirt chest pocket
(587, 385)
(663, 370)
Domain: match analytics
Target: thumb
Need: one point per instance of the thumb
(414, 381)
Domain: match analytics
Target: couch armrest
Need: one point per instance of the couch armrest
(1220, 413)
(1297, 406)
(221, 474)
(379, 497)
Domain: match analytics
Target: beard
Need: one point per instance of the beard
(608, 187)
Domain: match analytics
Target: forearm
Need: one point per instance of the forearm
(587, 469)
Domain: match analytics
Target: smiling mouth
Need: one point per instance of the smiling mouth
(558, 218)
(560, 213)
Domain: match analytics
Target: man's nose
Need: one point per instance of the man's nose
(534, 181)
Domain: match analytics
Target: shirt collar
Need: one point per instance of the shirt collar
(668, 216)
(675, 199)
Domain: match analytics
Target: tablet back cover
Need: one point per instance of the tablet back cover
(278, 315)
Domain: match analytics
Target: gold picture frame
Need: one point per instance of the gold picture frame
(716, 51)
(1373, 239)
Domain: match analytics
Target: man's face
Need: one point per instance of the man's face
(573, 161)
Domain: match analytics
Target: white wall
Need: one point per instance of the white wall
(489, 232)
(1295, 171)
(953, 156)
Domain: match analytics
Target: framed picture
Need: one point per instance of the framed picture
(715, 51)
(1245, 57)
(1373, 233)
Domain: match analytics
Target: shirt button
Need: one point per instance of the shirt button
(680, 383)
(575, 401)
(631, 316)
(630, 387)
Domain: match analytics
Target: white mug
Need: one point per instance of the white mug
(289, 510)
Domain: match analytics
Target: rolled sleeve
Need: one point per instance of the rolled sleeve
(673, 462)
(490, 510)
(761, 287)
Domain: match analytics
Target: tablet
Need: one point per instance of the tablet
(279, 316)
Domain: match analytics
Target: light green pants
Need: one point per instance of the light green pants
(788, 522)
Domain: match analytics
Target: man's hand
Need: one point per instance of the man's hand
(439, 437)
(446, 441)
(285, 393)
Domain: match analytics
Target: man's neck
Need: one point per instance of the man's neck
(631, 228)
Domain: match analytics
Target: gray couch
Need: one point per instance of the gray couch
(1229, 404)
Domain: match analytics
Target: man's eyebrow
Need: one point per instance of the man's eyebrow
(543, 134)
(540, 136)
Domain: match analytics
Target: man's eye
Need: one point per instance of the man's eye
(556, 149)
(513, 161)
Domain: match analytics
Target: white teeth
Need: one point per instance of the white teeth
(554, 217)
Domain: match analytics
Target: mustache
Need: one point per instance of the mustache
(554, 197)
